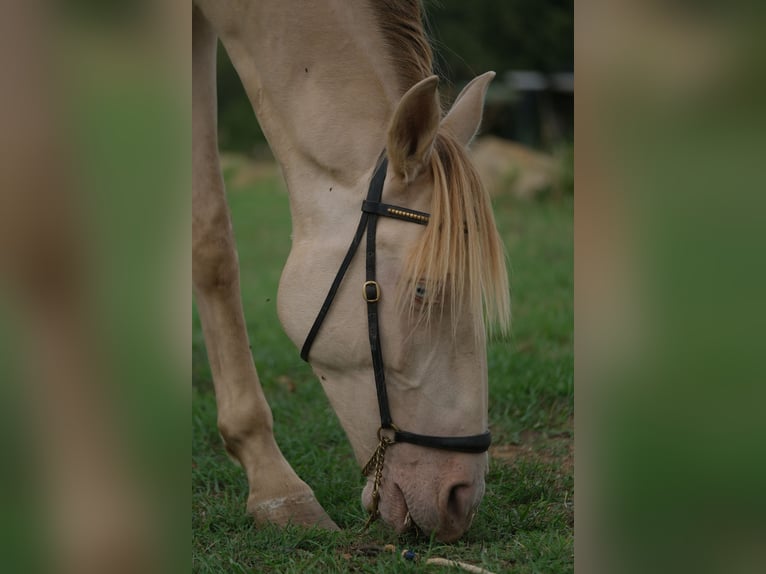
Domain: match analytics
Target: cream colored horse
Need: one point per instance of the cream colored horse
(333, 84)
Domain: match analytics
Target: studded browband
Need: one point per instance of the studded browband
(372, 207)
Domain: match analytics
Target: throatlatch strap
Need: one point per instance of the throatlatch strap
(378, 179)
(334, 288)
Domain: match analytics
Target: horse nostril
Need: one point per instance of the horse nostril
(460, 501)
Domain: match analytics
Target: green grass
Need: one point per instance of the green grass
(525, 523)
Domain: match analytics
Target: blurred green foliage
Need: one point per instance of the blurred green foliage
(238, 128)
(500, 35)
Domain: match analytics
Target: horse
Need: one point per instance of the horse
(346, 97)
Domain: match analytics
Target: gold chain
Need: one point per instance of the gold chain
(376, 461)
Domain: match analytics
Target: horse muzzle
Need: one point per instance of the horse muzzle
(437, 492)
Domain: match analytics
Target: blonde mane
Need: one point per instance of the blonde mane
(460, 259)
(401, 23)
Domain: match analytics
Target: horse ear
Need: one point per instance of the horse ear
(413, 129)
(464, 119)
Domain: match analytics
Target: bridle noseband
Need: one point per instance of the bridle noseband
(372, 208)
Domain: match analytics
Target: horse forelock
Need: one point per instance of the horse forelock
(460, 258)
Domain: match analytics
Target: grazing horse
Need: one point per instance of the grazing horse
(345, 95)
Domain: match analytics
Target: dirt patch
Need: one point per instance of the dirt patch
(536, 446)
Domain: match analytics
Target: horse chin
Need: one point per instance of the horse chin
(394, 509)
(393, 506)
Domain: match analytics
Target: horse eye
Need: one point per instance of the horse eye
(420, 292)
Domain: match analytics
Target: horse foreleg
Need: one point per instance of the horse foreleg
(276, 493)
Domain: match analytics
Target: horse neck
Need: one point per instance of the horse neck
(324, 91)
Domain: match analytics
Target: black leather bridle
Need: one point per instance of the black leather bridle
(372, 207)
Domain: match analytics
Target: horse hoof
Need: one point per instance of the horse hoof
(302, 509)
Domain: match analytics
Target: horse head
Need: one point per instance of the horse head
(435, 285)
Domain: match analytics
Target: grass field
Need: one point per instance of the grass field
(525, 523)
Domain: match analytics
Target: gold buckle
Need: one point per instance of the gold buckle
(377, 291)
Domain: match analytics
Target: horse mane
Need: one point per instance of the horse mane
(401, 23)
(460, 258)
